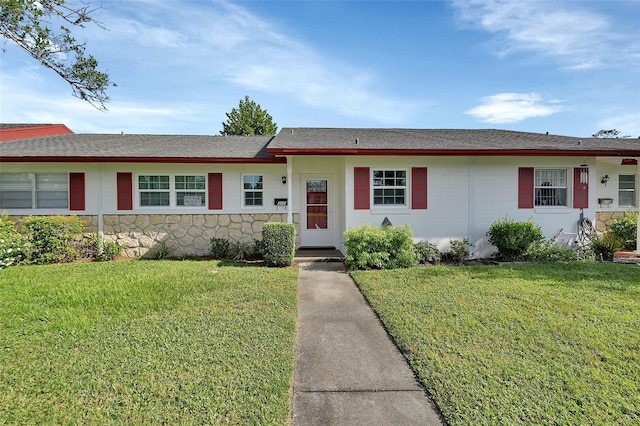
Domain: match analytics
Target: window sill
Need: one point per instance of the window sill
(553, 210)
(390, 210)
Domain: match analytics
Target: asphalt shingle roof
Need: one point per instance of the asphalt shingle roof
(292, 138)
(103, 146)
(307, 141)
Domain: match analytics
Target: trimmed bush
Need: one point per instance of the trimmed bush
(225, 249)
(94, 247)
(53, 238)
(459, 251)
(220, 248)
(625, 229)
(427, 252)
(14, 248)
(554, 251)
(604, 246)
(278, 243)
(369, 247)
(513, 239)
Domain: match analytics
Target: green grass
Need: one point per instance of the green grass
(146, 342)
(530, 344)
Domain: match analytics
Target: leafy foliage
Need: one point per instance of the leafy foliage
(427, 252)
(513, 239)
(279, 243)
(39, 28)
(249, 119)
(226, 249)
(458, 252)
(370, 247)
(604, 246)
(625, 229)
(160, 251)
(53, 238)
(555, 251)
(607, 134)
(14, 248)
(100, 250)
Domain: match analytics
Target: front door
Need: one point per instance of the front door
(316, 227)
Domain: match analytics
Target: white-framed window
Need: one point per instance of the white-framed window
(551, 187)
(34, 190)
(184, 190)
(627, 190)
(191, 191)
(389, 187)
(154, 190)
(253, 190)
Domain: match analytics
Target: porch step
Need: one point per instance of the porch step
(626, 257)
(317, 255)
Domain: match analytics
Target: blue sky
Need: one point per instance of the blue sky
(570, 67)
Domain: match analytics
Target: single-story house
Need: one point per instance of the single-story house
(141, 190)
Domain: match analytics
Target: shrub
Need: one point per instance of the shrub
(104, 250)
(14, 248)
(625, 229)
(160, 251)
(554, 251)
(94, 247)
(225, 249)
(279, 243)
(220, 248)
(369, 247)
(427, 252)
(458, 252)
(604, 246)
(513, 239)
(53, 238)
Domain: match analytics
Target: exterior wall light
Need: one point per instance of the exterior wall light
(604, 180)
(284, 180)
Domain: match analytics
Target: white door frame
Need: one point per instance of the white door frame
(317, 237)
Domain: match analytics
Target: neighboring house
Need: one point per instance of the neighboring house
(140, 190)
(22, 131)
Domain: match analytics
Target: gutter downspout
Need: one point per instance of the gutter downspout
(289, 189)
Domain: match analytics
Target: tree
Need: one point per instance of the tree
(38, 26)
(249, 119)
(606, 133)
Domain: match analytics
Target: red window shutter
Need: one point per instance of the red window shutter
(525, 187)
(361, 188)
(580, 191)
(215, 191)
(76, 191)
(125, 191)
(419, 188)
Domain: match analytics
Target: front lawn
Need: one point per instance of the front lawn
(533, 344)
(146, 342)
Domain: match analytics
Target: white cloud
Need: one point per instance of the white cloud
(220, 41)
(513, 108)
(23, 93)
(578, 36)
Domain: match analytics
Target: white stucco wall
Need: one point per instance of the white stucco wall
(465, 196)
(101, 189)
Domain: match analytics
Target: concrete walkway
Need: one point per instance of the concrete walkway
(348, 371)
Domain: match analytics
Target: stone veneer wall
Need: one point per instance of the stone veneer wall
(184, 234)
(604, 219)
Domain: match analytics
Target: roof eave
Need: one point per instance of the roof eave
(163, 160)
(455, 152)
